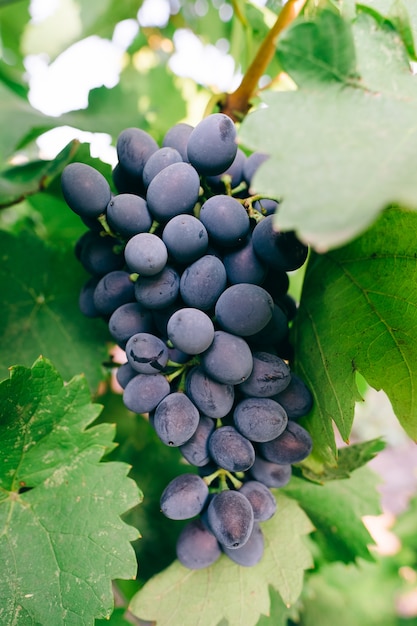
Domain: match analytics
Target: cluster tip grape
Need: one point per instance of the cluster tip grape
(191, 276)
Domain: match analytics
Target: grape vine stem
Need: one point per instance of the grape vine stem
(237, 103)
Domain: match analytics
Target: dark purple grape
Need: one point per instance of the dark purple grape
(234, 172)
(212, 398)
(251, 552)
(197, 548)
(86, 298)
(212, 146)
(230, 450)
(270, 474)
(127, 215)
(260, 419)
(146, 353)
(243, 266)
(144, 392)
(175, 419)
(184, 497)
(270, 375)
(202, 282)
(113, 290)
(100, 255)
(134, 147)
(85, 190)
(173, 191)
(128, 183)
(279, 250)
(225, 219)
(272, 334)
(266, 206)
(196, 451)
(190, 330)
(292, 446)
(129, 319)
(228, 359)
(177, 137)
(146, 254)
(252, 163)
(244, 309)
(186, 238)
(158, 161)
(296, 398)
(230, 518)
(125, 373)
(262, 501)
(159, 291)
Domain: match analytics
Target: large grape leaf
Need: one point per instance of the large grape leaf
(358, 312)
(336, 510)
(40, 314)
(229, 593)
(349, 595)
(62, 540)
(339, 154)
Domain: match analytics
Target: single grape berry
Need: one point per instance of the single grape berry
(251, 552)
(175, 419)
(146, 353)
(230, 518)
(230, 450)
(197, 547)
(184, 497)
(212, 146)
(85, 190)
(190, 330)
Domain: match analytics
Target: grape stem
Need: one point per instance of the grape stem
(223, 475)
(237, 104)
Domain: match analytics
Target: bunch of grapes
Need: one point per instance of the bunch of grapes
(191, 277)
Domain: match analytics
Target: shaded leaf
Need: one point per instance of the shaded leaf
(336, 509)
(19, 181)
(363, 595)
(349, 459)
(60, 507)
(336, 173)
(358, 312)
(40, 313)
(226, 591)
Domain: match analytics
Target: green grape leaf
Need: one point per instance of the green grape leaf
(40, 314)
(336, 509)
(358, 312)
(352, 148)
(319, 49)
(18, 118)
(349, 459)
(340, 594)
(226, 592)
(279, 613)
(19, 181)
(62, 540)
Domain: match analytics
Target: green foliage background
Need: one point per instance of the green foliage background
(340, 129)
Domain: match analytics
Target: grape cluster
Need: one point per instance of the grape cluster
(191, 277)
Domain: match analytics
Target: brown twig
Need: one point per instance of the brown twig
(237, 104)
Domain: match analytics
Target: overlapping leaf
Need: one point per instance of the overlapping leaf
(358, 312)
(41, 314)
(61, 537)
(353, 147)
(336, 510)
